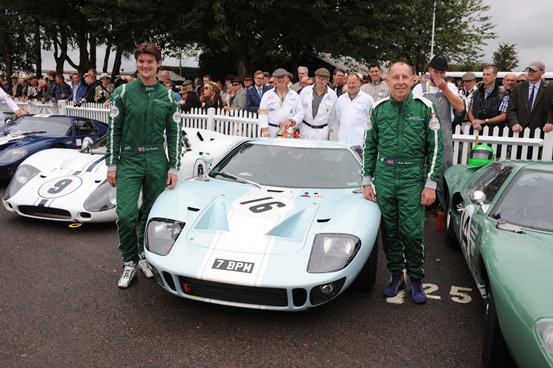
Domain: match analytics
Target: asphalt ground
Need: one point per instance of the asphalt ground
(60, 307)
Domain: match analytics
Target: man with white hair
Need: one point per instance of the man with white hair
(303, 71)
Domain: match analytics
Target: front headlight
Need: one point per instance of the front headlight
(22, 176)
(14, 154)
(103, 198)
(332, 252)
(544, 329)
(161, 235)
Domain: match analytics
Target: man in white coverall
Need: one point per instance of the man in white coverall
(280, 107)
(319, 104)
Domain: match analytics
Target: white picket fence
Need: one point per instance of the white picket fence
(243, 123)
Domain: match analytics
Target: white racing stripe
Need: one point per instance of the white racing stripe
(241, 255)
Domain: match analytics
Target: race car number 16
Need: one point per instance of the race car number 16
(263, 207)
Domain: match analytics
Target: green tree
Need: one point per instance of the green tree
(505, 57)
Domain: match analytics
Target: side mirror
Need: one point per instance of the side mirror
(87, 142)
(479, 197)
(202, 166)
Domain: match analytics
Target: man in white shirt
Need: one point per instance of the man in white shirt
(446, 98)
(4, 98)
(352, 112)
(319, 103)
(280, 107)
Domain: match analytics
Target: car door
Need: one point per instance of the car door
(488, 182)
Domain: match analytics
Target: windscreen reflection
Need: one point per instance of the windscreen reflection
(293, 167)
(527, 201)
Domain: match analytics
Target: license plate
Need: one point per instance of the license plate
(228, 265)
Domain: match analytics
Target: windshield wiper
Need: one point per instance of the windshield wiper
(504, 225)
(236, 178)
(34, 132)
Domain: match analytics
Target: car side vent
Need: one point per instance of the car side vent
(193, 209)
(323, 220)
(275, 190)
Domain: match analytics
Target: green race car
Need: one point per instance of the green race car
(501, 216)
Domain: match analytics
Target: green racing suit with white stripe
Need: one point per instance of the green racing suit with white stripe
(402, 154)
(140, 118)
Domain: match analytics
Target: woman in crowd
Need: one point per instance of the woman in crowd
(211, 96)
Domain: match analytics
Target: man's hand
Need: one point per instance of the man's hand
(21, 112)
(548, 127)
(428, 196)
(111, 178)
(439, 82)
(285, 124)
(172, 180)
(265, 132)
(516, 128)
(369, 193)
(477, 124)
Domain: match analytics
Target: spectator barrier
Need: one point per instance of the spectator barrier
(243, 123)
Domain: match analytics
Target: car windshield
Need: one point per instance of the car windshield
(44, 127)
(291, 167)
(527, 200)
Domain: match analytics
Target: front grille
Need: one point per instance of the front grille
(234, 293)
(54, 213)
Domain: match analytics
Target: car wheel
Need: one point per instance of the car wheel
(367, 277)
(450, 236)
(495, 352)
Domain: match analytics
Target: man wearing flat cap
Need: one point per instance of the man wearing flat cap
(530, 101)
(319, 104)
(446, 98)
(239, 101)
(280, 107)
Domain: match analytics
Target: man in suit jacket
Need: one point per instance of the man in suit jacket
(530, 102)
(254, 93)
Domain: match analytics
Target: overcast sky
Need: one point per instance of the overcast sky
(526, 23)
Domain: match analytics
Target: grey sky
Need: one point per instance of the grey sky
(526, 23)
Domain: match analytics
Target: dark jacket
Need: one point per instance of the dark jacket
(191, 101)
(542, 112)
(484, 108)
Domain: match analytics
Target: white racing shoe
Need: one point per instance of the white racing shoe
(129, 273)
(145, 266)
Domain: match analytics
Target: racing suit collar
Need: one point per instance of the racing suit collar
(149, 88)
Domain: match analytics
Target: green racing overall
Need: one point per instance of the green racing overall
(140, 118)
(402, 155)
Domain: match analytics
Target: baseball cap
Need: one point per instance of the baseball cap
(439, 63)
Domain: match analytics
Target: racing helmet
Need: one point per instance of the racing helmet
(480, 155)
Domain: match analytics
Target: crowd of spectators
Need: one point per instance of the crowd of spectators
(54, 87)
(492, 96)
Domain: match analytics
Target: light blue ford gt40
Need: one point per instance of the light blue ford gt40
(276, 224)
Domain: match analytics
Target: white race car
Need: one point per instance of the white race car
(70, 185)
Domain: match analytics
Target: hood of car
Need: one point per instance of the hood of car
(244, 218)
(519, 267)
(63, 161)
(8, 142)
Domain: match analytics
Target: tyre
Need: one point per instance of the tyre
(367, 277)
(450, 236)
(495, 352)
